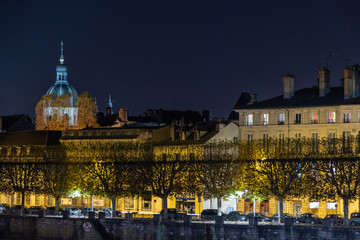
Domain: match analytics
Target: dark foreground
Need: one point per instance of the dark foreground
(30, 227)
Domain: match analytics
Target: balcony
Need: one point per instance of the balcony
(346, 120)
(331, 120)
(314, 121)
(281, 123)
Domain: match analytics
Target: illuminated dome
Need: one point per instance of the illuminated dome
(62, 87)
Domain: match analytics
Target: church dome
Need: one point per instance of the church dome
(61, 89)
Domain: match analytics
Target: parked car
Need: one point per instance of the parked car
(311, 218)
(355, 219)
(174, 213)
(337, 218)
(108, 212)
(51, 211)
(14, 208)
(275, 217)
(85, 211)
(34, 210)
(73, 210)
(262, 217)
(210, 214)
(4, 208)
(235, 216)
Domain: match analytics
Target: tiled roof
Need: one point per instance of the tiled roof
(306, 97)
(9, 123)
(21, 138)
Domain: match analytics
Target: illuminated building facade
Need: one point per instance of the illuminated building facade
(63, 89)
(318, 112)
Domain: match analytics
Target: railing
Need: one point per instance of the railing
(314, 121)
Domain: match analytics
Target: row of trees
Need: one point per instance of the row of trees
(282, 169)
(326, 169)
(116, 170)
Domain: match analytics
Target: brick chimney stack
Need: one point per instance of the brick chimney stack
(288, 85)
(324, 82)
(123, 114)
(348, 83)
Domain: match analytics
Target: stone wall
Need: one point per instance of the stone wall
(16, 227)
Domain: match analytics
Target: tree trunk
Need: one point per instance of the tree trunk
(219, 212)
(280, 210)
(346, 212)
(165, 208)
(57, 201)
(113, 207)
(22, 203)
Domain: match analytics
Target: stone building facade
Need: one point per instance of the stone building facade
(318, 112)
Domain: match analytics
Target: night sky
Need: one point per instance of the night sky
(171, 54)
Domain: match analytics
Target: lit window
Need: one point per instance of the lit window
(281, 118)
(249, 119)
(347, 117)
(331, 117)
(314, 204)
(314, 117)
(265, 119)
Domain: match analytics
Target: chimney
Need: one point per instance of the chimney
(205, 115)
(356, 80)
(123, 114)
(348, 83)
(288, 85)
(108, 111)
(324, 82)
(253, 98)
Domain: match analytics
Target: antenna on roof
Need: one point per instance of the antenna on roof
(346, 62)
(326, 61)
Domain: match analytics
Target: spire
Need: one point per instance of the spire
(109, 110)
(62, 53)
(110, 102)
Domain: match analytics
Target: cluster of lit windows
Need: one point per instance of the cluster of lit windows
(314, 118)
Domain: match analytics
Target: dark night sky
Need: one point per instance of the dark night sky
(194, 55)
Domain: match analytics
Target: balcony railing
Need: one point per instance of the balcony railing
(281, 122)
(314, 121)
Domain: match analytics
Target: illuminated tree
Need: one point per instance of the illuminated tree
(21, 171)
(55, 118)
(217, 171)
(86, 111)
(107, 169)
(57, 174)
(272, 168)
(336, 174)
(162, 175)
(40, 116)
